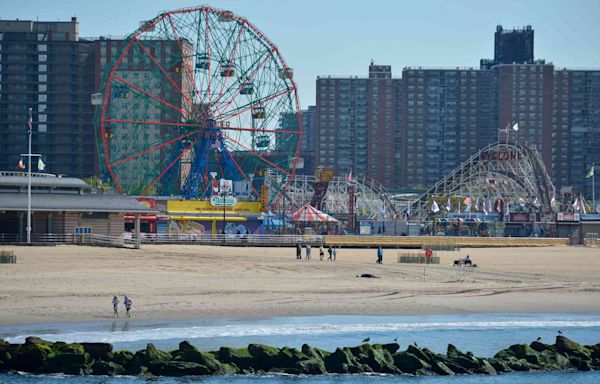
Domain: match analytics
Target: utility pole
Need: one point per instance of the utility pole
(29, 129)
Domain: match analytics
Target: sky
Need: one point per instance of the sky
(336, 37)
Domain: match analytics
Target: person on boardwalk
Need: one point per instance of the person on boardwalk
(330, 251)
(115, 306)
(298, 251)
(321, 252)
(127, 302)
(307, 252)
(379, 255)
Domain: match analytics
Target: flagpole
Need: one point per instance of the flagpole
(593, 188)
(29, 129)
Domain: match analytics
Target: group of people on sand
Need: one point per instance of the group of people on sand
(331, 251)
(126, 302)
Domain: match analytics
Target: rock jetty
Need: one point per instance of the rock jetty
(40, 357)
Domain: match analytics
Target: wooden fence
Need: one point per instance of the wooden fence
(8, 257)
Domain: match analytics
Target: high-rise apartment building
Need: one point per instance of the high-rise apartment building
(513, 46)
(133, 113)
(45, 66)
(441, 122)
(524, 96)
(411, 132)
(357, 124)
(576, 128)
(288, 143)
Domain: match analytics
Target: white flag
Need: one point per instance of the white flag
(553, 202)
(484, 206)
(41, 164)
(516, 127)
(434, 207)
(448, 205)
(576, 206)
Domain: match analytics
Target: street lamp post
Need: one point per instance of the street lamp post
(383, 196)
(223, 195)
(29, 124)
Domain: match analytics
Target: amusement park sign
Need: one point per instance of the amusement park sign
(501, 155)
(217, 201)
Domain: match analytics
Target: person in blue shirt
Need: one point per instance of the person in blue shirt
(127, 302)
(379, 255)
(115, 303)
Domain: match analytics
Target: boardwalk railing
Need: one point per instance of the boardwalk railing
(269, 240)
(253, 240)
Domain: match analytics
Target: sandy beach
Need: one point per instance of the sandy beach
(77, 283)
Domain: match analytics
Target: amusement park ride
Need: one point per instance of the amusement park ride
(197, 95)
(192, 92)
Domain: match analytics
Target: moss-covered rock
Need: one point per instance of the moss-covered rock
(313, 366)
(380, 360)
(341, 361)
(153, 354)
(69, 363)
(107, 368)
(265, 357)
(391, 347)
(312, 352)
(423, 354)
(442, 369)
(177, 368)
(409, 363)
(97, 350)
(30, 357)
(74, 348)
(541, 347)
(288, 357)
(569, 347)
(499, 365)
(238, 356)
(123, 358)
(205, 359)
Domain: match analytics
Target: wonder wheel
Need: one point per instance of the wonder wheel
(193, 96)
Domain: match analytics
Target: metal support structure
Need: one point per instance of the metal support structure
(138, 231)
(368, 196)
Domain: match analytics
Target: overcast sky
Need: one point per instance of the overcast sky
(321, 37)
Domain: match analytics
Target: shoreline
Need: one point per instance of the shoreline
(241, 316)
(70, 284)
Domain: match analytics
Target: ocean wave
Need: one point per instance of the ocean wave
(249, 330)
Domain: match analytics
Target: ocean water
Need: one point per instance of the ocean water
(483, 334)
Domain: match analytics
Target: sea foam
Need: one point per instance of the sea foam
(254, 329)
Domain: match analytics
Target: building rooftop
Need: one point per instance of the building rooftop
(12, 180)
(51, 193)
(91, 202)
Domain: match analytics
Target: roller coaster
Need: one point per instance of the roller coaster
(509, 174)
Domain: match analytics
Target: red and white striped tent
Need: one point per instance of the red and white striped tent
(308, 213)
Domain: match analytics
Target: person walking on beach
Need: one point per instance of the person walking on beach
(115, 306)
(334, 254)
(298, 251)
(330, 251)
(307, 252)
(379, 255)
(321, 252)
(127, 302)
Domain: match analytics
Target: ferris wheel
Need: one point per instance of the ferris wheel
(193, 96)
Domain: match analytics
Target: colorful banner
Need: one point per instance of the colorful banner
(203, 206)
